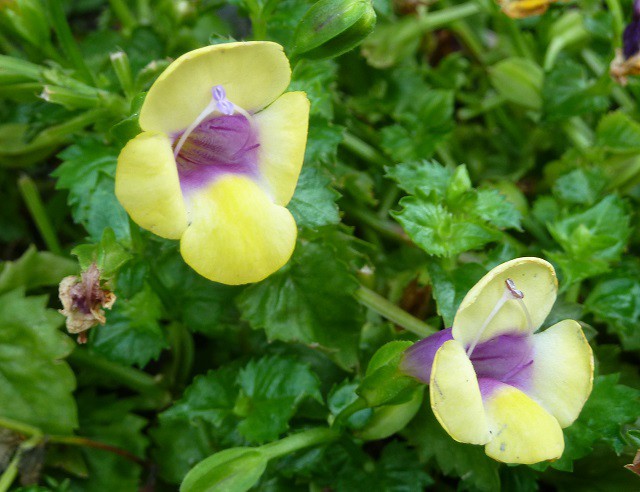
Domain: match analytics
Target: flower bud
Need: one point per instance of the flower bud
(519, 81)
(27, 19)
(389, 419)
(333, 27)
(231, 469)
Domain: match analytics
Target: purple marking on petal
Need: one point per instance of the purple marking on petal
(506, 358)
(220, 145)
(488, 386)
(418, 359)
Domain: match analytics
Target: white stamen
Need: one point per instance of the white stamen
(211, 108)
(510, 293)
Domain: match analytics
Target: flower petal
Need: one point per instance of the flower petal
(147, 185)
(562, 370)
(523, 432)
(535, 277)
(237, 235)
(253, 74)
(417, 360)
(455, 395)
(283, 136)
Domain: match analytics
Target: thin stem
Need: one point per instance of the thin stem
(363, 150)
(88, 443)
(573, 292)
(31, 197)
(348, 411)
(10, 473)
(66, 39)
(579, 132)
(371, 219)
(440, 18)
(298, 441)
(132, 378)
(618, 93)
(392, 312)
(20, 427)
(124, 14)
(618, 21)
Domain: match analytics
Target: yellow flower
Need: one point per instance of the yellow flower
(520, 9)
(492, 381)
(218, 160)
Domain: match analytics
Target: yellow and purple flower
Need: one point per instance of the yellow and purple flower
(218, 160)
(627, 59)
(493, 381)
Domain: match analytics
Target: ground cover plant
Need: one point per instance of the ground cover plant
(286, 245)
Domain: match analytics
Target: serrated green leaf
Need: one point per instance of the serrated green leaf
(132, 334)
(309, 301)
(37, 385)
(426, 175)
(271, 390)
(580, 186)
(108, 254)
(314, 201)
(618, 133)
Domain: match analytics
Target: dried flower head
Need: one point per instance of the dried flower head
(83, 300)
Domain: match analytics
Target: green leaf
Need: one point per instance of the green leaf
(580, 186)
(132, 334)
(37, 385)
(591, 239)
(439, 231)
(271, 390)
(322, 142)
(35, 269)
(466, 461)
(425, 175)
(615, 299)
(567, 91)
(87, 172)
(618, 133)
(108, 254)
(309, 301)
(315, 78)
(109, 420)
(493, 207)
(202, 306)
(519, 80)
(231, 470)
(314, 201)
(610, 406)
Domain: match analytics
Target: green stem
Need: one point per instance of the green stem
(518, 42)
(392, 312)
(573, 292)
(31, 197)
(618, 93)
(20, 427)
(363, 150)
(579, 132)
(88, 443)
(440, 18)
(618, 21)
(371, 219)
(298, 441)
(66, 39)
(470, 40)
(10, 473)
(131, 378)
(348, 411)
(124, 14)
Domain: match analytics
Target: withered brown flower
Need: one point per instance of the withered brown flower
(83, 300)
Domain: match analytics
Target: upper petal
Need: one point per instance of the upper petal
(455, 395)
(522, 431)
(282, 129)
(535, 277)
(253, 75)
(562, 370)
(237, 235)
(147, 185)
(417, 360)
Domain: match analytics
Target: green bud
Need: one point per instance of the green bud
(333, 27)
(389, 419)
(519, 81)
(383, 383)
(27, 19)
(231, 470)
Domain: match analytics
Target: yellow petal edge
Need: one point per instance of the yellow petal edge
(237, 234)
(535, 277)
(253, 74)
(455, 395)
(148, 187)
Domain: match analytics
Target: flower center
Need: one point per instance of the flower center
(510, 293)
(222, 139)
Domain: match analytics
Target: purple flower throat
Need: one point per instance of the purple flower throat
(221, 140)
